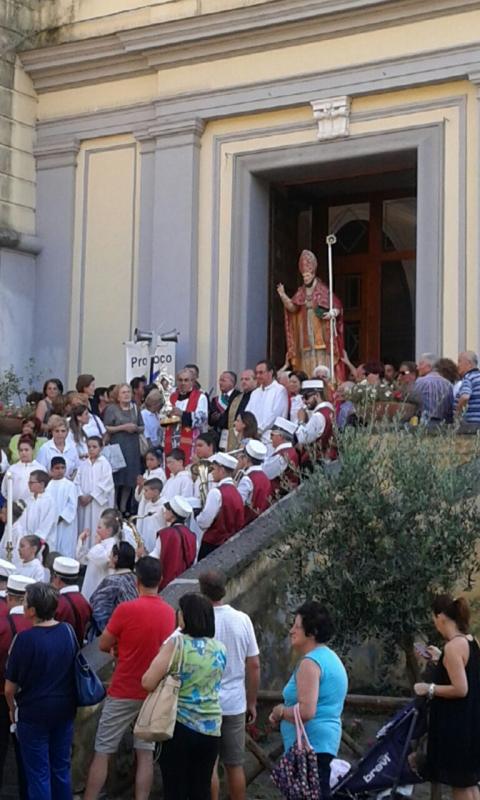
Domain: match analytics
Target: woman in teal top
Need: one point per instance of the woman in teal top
(318, 684)
(187, 760)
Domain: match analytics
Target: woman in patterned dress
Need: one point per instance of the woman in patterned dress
(187, 760)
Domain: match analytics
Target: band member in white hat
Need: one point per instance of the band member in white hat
(72, 606)
(6, 569)
(282, 467)
(316, 427)
(254, 486)
(12, 623)
(176, 545)
(222, 515)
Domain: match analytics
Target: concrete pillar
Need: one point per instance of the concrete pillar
(56, 165)
(175, 233)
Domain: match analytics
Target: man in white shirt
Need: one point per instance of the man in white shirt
(240, 682)
(268, 401)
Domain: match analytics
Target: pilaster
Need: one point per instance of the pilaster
(56, 171)
(175, 232)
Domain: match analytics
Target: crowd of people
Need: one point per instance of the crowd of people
(116, 492)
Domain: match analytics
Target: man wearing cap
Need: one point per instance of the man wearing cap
(282, 467)
(254, 486)
(11, 624)
(316, 428)
(6, 569)
(268, 401)
(222, 515)
(176, 545)
(72, 605)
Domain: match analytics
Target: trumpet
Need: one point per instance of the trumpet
(129, 522)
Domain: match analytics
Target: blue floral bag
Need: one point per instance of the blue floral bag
(296, 774)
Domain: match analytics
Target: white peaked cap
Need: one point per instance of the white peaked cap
(282, 424)
(18, 583)
(180, 506)
(66, 566)
(312, 385)
(6, 568)
(195, 502)
(224, 459)
(256, 450)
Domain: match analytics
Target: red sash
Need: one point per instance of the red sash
(186, 434)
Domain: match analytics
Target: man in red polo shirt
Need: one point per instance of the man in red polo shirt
(136, 631)
(72, 606)
(222, 514)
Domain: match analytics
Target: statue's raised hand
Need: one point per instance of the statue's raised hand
(281, 291)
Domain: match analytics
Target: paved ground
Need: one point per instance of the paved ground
(261, 788)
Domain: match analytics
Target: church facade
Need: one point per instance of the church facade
(181, 153)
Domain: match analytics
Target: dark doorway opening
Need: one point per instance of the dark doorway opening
(371, 208)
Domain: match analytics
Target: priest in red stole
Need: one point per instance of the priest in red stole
(190, 405)
(307, 322)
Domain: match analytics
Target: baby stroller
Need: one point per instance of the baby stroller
(385, 766)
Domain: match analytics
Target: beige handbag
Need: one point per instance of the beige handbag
(158, 714)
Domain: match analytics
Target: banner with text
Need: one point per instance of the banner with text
(163, 358)
(138, 360)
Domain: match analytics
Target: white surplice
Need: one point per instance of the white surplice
(96, 479)
(17, 533)
(49, 450)
(40, 518)
(97, 560)
(159, 473)
(65, 497)
(20, 475)
(149, 527)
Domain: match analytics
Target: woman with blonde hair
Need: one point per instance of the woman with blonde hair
(124, 423)
(58, 446)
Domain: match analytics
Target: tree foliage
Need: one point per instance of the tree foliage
(375, 538)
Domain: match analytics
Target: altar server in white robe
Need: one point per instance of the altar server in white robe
(153, 504)
(21, 471)
(65, 495)
(40, 515)
(97, 558)
(179, 483)
(154, 469)
(94, 482)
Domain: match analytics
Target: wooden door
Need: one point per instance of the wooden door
(283, 267)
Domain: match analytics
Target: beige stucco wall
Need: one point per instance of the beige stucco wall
(87, 18)
(108, 174)
(17, 121)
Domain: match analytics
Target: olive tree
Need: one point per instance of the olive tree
(395, 521)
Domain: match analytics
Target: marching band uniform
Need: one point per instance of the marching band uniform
(223, 513)
(283, 465)
(176, 545)
(72, 606)
(254, 486)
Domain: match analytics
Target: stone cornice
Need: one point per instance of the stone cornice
(205, 37)
(185, 114)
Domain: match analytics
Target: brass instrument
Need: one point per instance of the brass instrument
(201, 470)
(129, 522)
